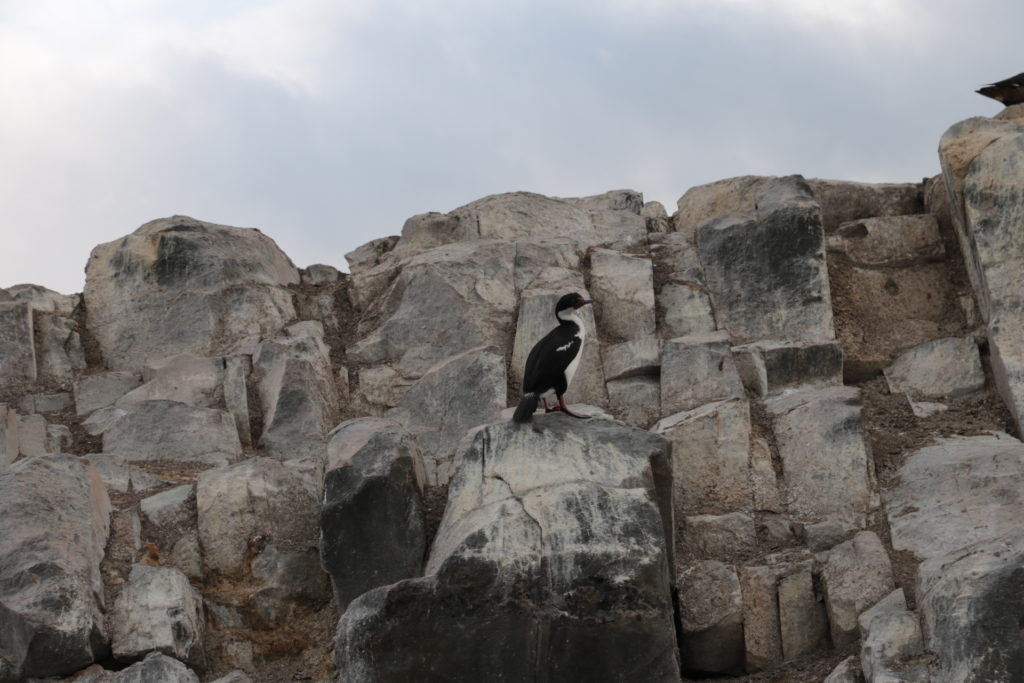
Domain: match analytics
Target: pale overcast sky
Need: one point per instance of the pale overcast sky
(327, 123)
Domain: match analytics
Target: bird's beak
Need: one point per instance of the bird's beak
(583, 302)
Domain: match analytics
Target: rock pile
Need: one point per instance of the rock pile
(215, 464)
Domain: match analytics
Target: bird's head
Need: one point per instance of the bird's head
(573, 301)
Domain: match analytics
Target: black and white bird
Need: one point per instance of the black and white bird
(1008, 91)
(553, 360)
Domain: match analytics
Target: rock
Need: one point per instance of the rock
(635, 400)
(474, 381)
(762, 637)
(636, 358)
(92, 392)
(184, 378)
(372, 530)
(842, 201)
(59, 351)
(623, 291)
(961, 491)
(31, 435)
(155, 667)
(58, 439)
(764, 480)
(697, 370)
(766, 270)
(118, 475)
(178, 285)
(44, 300)
(236, 394)
(445, 300)
(15, 637)
(290, 583)
(703, 202)
(616, 215)
(554, 264)
(380, 388)
(523, 214)
(258, 501)
(56, 522)
(803, 624)
(925, 408)
(8, 436)
(319, 274)
(890, 241)
(681, 300)
(711, 614)
(653, 210)
(710, 456)
(889, 634)
(715, 536)
(174, 507)
(166, 430)
(17, 353)
(943, 367)
(536, 319)
(856, 575)
(825, 463)
(768, 367)
(370, 254)
(158, 610)
(970, 603)
(824, 535)
(298, 396)
(235, 677)
(551, 530)
(45, 403)
(846, 671)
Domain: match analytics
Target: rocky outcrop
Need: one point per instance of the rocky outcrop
(551, 561)
(17, 353)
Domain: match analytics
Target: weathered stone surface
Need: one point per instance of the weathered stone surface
(102, 389)
(173, 507)
(623, 291)
(369, 255)
(712, 536)
(697, 370)
(15, 637)
(56, 519)
(118, 475)
(639, 357)
(889, 633)
(681, 301)
(635, 400)
(539, 521)
(445, 300)
(371, 523)
(842, 201)
(710, 456)
(58, 439)
(764, 480)
(846, 671)
(970, 603)
(167, 430)
(59, 351)
(474, 381)
(942, 367)
(549, 263)
(536, 319)
(523, 214)
(184, 378)
(803, 624)
(824, 535)
(44, 403)
(891, 241)
(617, 216)
(825, 461)
(711, 614)
(766, 270)
(44, 300)
(155, 668)
(767, 367)
(289, 583)
(762, 638)
(31, 435)
(730, 195)
(298, 396)
(17, 353)
(856, 575)
(236, 394)
(653, 210)
(256, 497)
(319, 274)
(8, 436)
(178, 285)
(961, 491)
(158, 610)
(380, 388)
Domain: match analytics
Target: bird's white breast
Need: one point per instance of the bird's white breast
(581, 334)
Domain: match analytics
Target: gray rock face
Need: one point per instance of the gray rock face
(44, 300)
(856, 576)
(158, 610)
(100, 390)
(697, 370)
(892, 241)
(970, 603)
(178, 285)
(371, 522)
(711, 613)
(17, 353)
(961, 491)
(473, 381)
(184, 378)
(56, 521)
(682, 303)
(167, 430)
(8, 436)
(15, 637)
(60, 354)
(766, 269)
(942, 367)
(623, 289)
(31, 435)
(635, 400)
(710, 536)
(703, 202)
(118, 475)
(768, 367)
(155, 668)
(523, 214)
(550, 562)
(803, 624)
(842, 201)
(889, 633)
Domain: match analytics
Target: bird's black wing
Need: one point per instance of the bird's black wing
(549, 358)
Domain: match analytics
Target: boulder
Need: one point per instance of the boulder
(184, 378)
(960, 491)
(768, 367)
(623, 291)
(825, 462)
(549, 263)
(842, 201)
(856, 575)
(711, 615)
(523, 214)
(178, 285)
(155, 667)
(709, 537)
(120, 476)
(727, 196)
(697, 370)
(682, 304)
(158, 610)
(319, 274)
(175, 432)
(59, 351)
(462, 392)
(45, 403)
(17, 352)
(372, 530)
(936, 369)
(15, 637)
(256, 504)
(550, 562)
(56, 522)
(766, 269)
(617, 216)
(536, 319)
(370, 254)
(31, 435)
(636, 358)
(846, 671)
(237, 370)
(58, 439)
(890, 241)
(44, 300)
(970, 603)
(710, 456)
(102, 389)
(298, 396)
(761, 634)
(803, 624)
(8, 436)
(889, 633)
(635, 400)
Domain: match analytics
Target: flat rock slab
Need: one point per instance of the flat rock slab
(158, 610)
(17, 353)
(550, 563)
(102, 389)
(939, 368)
(961, 491)
(697, 370)
(890, 241)
(856, 575)
(171, 431)
(623, 289)
(56, 520)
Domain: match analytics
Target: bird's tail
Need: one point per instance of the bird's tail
(526, 408)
